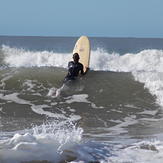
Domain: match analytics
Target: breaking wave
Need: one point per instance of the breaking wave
(146, 66)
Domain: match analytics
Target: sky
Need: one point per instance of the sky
(96, 18)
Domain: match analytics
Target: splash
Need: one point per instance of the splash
(47, 142)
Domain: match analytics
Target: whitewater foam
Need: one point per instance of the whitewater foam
(146, 60)
(142, 152)
(47, 142)
(15, 57)
(39, 109)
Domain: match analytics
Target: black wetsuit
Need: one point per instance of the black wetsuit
(73, 70)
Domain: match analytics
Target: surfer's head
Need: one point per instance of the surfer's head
(76, 57)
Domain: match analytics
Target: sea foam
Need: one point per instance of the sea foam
(46, 142)
(15, 57)
(142, 152)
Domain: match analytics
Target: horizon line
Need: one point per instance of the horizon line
(129, 37)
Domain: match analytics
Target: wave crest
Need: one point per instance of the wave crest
(146, 60)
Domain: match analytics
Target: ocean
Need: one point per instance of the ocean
(113, 114)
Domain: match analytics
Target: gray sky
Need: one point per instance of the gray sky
(108, 18)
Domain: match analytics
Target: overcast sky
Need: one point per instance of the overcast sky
(108, 18)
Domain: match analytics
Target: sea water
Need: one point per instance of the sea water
(114, 114)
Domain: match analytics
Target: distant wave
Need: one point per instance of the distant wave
(146, 66)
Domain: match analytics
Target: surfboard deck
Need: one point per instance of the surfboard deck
(82, 47)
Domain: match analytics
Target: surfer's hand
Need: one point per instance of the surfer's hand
(86, 70)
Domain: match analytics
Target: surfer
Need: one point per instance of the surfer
(75, 68)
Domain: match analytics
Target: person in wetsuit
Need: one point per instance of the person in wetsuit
(75, 68)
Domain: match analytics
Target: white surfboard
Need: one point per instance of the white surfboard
(82, 47)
